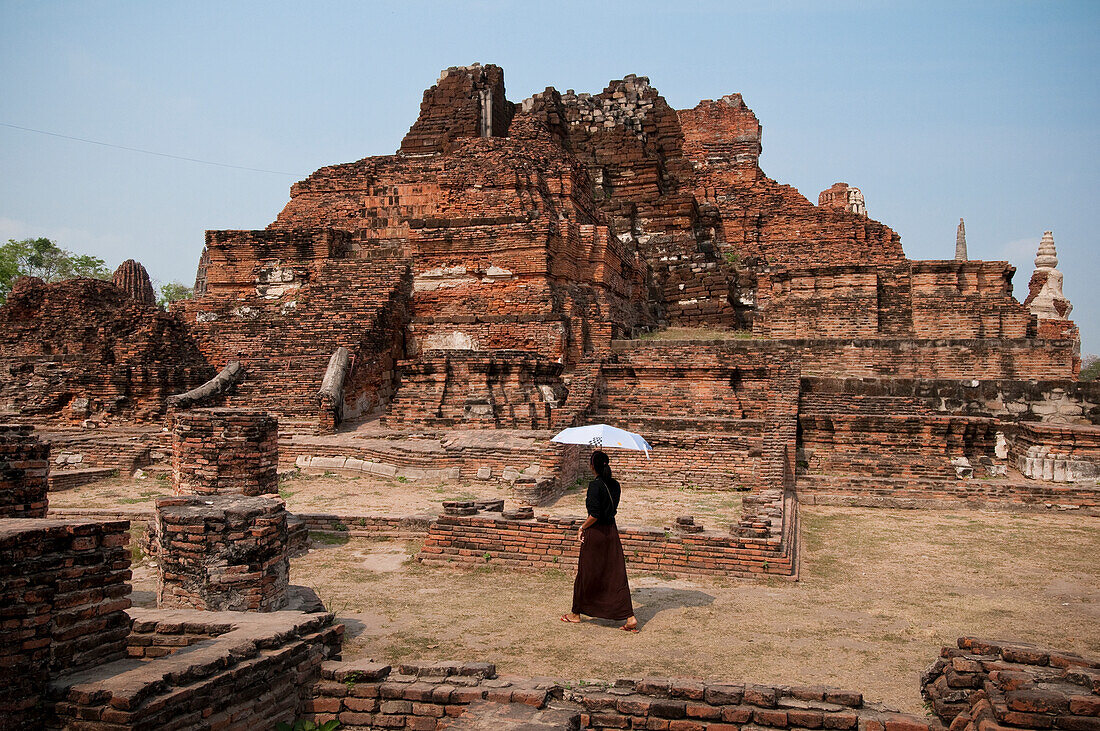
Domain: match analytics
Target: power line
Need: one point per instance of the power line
(145, 152)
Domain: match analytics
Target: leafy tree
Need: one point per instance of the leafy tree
(172, 291)
(46, 260)
(1090, 368)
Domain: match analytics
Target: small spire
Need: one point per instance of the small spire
(1046, 257)
(960, 242)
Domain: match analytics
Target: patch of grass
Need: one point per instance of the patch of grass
(328, 539)
(137, 555)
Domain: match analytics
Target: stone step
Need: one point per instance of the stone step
(68, 479)
(489, 716)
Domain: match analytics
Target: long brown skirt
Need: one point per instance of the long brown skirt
(601, 589)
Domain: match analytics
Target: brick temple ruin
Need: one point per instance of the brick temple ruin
(438, 314)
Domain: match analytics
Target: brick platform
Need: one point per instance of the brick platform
(227, 670)
(223, 552)
(224, 450)
(24, 466)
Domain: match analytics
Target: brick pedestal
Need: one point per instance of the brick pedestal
(225, 451)
(221, 553)
(24, 466)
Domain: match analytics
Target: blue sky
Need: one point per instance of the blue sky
(935, 110)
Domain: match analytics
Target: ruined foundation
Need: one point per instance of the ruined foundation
(24, 464)
(223, 450)
(63, 594)
(221, 553)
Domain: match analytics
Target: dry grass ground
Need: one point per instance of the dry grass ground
(881, 591)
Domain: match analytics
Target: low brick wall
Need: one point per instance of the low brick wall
(63, 596)
(24, 465)
(548, 542)
(991, 685)
(912, 492)
(246, 671)
(225, 451)
(367, 695)
(222, 552)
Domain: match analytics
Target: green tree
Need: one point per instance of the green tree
(172, 291)
(46, 260)
(1090, 368)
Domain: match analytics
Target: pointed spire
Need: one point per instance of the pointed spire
(960, 242)
(1046, 257)
(1045, 299)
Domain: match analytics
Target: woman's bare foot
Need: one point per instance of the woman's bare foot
(631, 625)
(571, 618)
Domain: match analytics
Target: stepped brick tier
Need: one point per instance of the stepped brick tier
(219, 670)
(982, 684)
(24, 466)
(765, 541)
(225, 450)
(63, 591)
(505, 269)
(221, 553)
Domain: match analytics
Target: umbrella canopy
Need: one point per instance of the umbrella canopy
(602, 435)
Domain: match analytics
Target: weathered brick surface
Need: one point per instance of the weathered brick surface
(63, 594)
(281, 302)
(763, 542)
(221, 552)
(84, 349)
(445, 695)
(132, 279)
(984, 684)
(1056, 452)
(227, 670)
(225, 450)
(24, 467)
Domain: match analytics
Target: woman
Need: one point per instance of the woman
(601, 589)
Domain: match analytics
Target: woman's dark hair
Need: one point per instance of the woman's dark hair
(601, 463)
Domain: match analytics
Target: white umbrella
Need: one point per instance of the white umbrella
(602, 435)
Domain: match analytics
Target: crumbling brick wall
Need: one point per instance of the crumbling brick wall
(282, 301)
(362, 695)
(243, 670)
(85, 348)
(501, 388)
(24, 467)
(993, 684)
(65, 591)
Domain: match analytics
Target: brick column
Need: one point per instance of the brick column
(221, 553)
(225, 451)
